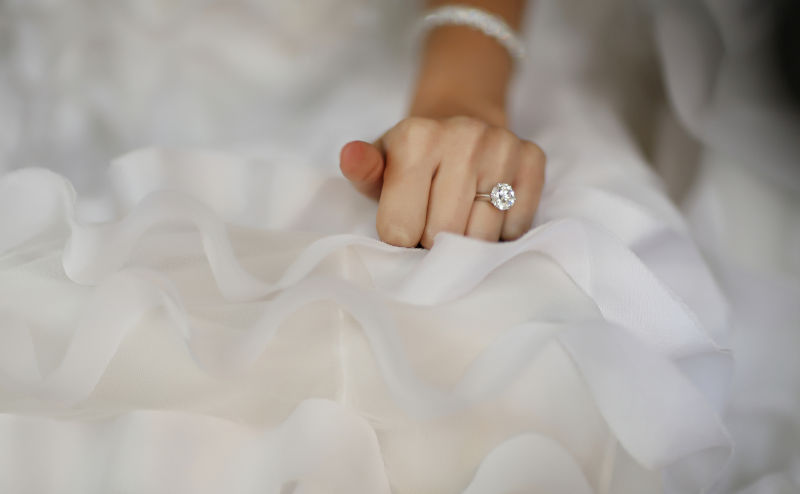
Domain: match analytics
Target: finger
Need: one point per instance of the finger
(411, 160)
(363, 164)
(528, 190)
(498, 164)
(451, 196)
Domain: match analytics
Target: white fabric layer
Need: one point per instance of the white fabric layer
(410, 340)
(233, 324)
(744, 211)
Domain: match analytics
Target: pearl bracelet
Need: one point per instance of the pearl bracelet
(489, 24)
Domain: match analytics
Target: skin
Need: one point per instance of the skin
(426, 170)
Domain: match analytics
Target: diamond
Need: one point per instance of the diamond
(502, 196)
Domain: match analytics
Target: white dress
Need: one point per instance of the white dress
(214, 313)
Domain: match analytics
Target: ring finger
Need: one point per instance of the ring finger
(498, 164)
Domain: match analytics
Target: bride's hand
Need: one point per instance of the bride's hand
(426, 170)
(425, 173)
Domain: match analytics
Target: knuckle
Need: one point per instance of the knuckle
(501, 135)
(503, 144)
(466, 134)
(411, 139)
(414, 129)
(534, 161)
(468, 125)
(536, 154)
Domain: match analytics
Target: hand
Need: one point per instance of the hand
(425, 173)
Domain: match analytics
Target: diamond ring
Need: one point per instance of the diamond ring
(502, 197)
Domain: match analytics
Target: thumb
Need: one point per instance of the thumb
(362, 164)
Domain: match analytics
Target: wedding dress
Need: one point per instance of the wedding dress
(214, 313)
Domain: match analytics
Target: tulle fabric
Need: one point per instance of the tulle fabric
(218, 321)
(743, 207)
(219, 299)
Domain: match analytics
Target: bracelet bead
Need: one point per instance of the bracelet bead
(489, 24)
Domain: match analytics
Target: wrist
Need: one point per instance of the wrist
(462, 72)
(444, 105)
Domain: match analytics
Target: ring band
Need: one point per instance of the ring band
(502, 197)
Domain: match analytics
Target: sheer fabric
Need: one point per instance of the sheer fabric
(225, 319)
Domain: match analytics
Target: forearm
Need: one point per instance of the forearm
(464, 71)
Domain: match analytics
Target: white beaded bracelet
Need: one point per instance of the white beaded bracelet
(489, 24)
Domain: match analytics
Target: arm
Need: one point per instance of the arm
(464, 71)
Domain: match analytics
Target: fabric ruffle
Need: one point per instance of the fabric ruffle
(238, 324)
